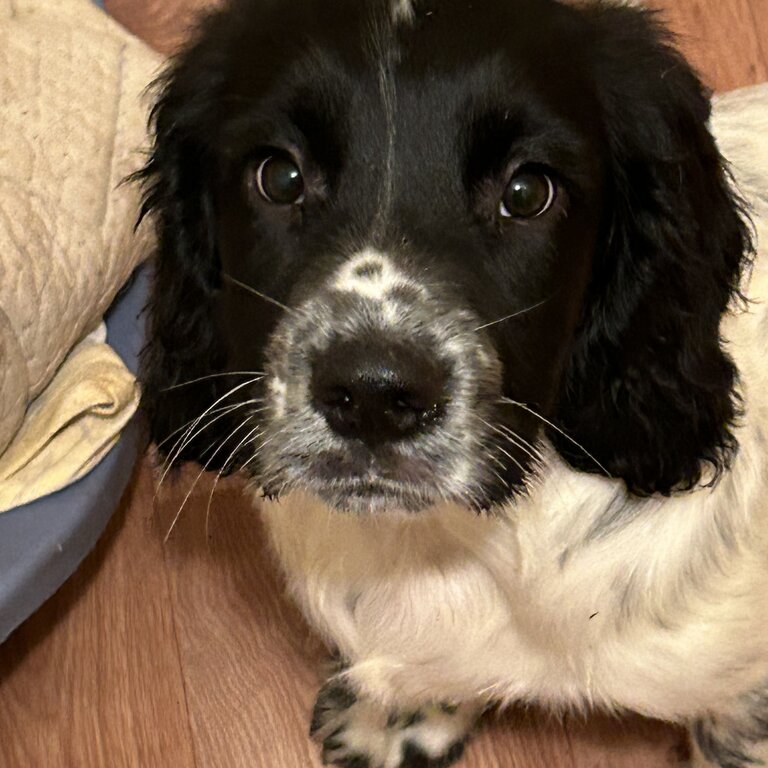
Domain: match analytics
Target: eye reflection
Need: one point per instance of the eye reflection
(529, 194)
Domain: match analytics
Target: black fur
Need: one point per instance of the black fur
(183, 343)
(650, 391)
(627, 359)
(729, 742)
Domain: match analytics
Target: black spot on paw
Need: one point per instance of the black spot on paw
(455, 751)
(355, 761)
(413, 718)
(728, 751)
(332, 699)
(331, 744)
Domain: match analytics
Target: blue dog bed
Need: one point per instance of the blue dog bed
(42, 543)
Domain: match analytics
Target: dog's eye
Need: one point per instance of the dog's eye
(279, 180)
(528, 195)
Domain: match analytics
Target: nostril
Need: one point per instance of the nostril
(421, 406)
(411, 412)
(425, 401)
(335, 397)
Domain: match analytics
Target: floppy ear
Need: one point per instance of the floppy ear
(650, 390)
(182, 344)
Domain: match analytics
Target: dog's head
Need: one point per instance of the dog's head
(399, 242)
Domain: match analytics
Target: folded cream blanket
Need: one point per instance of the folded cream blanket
(72, 425)
(72, 126)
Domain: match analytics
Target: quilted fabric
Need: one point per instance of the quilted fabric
(72, 126)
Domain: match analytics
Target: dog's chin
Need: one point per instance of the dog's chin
(371, 497)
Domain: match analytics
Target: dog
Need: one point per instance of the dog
(461, 287)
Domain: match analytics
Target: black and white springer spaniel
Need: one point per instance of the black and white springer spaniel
(459, 285)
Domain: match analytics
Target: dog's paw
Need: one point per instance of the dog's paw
(355, 733)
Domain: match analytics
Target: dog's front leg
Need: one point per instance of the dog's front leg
(356, 732)
(737, 738)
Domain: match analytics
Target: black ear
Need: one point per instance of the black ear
(651, 392)
(182, 343)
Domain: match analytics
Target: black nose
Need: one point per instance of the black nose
(379, 392)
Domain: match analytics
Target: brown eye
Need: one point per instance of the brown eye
(279, 180)
(528, 195)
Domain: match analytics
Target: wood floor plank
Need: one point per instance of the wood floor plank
(602, 741)
(164, 24)
(724, 39)
(93, 678)
(759, 19)
(250, 663)
(519, 739)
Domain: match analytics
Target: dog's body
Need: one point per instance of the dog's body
(511, 437)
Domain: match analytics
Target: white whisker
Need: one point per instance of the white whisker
(509, 317)
(258, 374)
(221, 471)
(199, 475)
(259, 294)
(514, 438)
(557, 429)
(250, 415)
(185, 442)
(510, 457)
(190, 424)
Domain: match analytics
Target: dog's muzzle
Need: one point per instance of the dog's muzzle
(377, 392)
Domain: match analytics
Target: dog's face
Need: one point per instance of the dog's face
(438, 229)
(399, 186)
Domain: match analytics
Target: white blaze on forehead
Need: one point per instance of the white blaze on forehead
(402, 10)
(370, 274)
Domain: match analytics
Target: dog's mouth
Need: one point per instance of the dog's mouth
(352, 485)
(361, 495)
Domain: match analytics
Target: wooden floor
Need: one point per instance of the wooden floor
(727, 40)
(185, 653)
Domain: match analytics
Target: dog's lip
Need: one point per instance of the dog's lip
(372, 494)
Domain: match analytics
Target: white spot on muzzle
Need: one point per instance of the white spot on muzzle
(279, 392)
(370, 274)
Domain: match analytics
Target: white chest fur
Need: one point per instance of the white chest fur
(576, 595)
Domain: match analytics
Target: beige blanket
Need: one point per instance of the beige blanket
(72, 122)
(71, 425)
(72, 126)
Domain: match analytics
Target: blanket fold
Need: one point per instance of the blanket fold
(72, 424)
